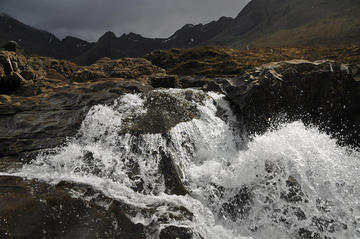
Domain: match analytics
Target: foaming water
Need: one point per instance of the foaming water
(292, 182)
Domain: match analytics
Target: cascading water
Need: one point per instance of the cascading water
(292, 182)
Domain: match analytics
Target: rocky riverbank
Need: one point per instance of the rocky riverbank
(43, 101)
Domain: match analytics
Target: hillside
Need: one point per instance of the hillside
(39, 42)
(135, 45)
(286, 23)
(262, 23)
(220, 61)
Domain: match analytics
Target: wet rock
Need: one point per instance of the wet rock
(164, 111)
(42, 104)
(171, 174)
(23, 128)
(202, 83)
(238, 206)
(355, 71)
(304, 233)
(294, 193)
(9, 164)
(328, 225)
(31, 209)
(323, 93)
(91, 165)
(172, 232)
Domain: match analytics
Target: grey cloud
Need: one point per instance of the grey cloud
(89, 19)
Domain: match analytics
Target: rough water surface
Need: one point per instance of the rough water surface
(292, 182)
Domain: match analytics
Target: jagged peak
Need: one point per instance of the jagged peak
(72, 38)
(132, 34)
(107, 35)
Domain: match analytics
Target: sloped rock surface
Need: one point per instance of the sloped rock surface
(324, 93)
(31, 209)
(44, 100)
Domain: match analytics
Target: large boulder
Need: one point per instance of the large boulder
(12, 46)
(16, 76)
(128, 68)
(31, 209)
(23, 129)
(63, 92)
(324, 93)
(164, 111)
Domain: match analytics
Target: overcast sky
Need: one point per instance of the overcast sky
(89, 19)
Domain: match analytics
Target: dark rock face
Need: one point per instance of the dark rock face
(171, 174)
(203, 83)
(164, 111)
(16, 76)
(45, 100)
(39, 42)
(12, 46)
(31, 209)
(315, 92)
(176, 232)
(165, 81)
(324, 93)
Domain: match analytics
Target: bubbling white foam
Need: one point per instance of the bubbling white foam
(289, 182)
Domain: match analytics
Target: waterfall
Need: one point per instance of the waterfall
(292, 182)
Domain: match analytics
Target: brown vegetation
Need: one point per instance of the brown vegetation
(211, 60)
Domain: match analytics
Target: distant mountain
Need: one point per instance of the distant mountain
(74, 47)
(40, 42)
(134, 45)
(262, 23)
(284, 23)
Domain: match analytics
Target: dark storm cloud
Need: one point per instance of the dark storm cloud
(89, 19)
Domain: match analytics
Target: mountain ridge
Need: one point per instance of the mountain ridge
(261, 23)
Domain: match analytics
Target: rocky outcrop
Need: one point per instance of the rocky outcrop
(39, 42)
(12, 46)
(31, 123)
(324, 93)
(16, 76)
(218, 61)
(164, 112)
(31, 209)
(44, 100)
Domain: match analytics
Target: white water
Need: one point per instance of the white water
(237, 189)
